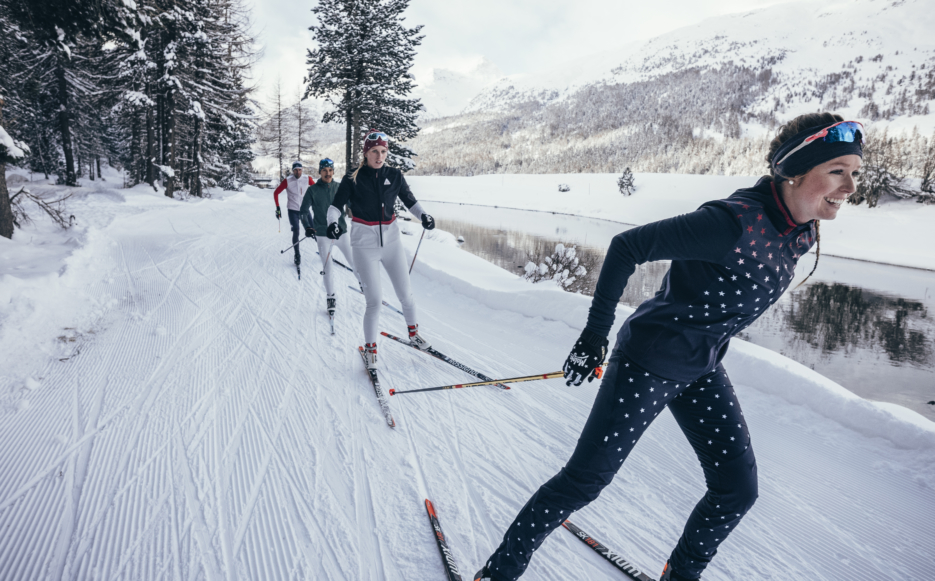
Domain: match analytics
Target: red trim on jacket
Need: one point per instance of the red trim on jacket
(782, 207)
(366, 223)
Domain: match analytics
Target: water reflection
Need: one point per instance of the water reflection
(837, 317)
(511, 250)
(879, 345)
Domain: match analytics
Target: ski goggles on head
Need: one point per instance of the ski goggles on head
(325, 163)
(843, 131)
(377, 136)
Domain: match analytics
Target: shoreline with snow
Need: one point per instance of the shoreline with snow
(893, 233)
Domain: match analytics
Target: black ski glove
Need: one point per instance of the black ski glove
(310, 233)
(278, 213)
(428, 222)
(334, 231)
(585, 358)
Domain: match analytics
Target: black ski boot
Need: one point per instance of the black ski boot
(298, 259)
(331, 304)
(482, 575)
(668, 574)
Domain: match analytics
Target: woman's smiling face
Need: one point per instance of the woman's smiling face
(819, 194)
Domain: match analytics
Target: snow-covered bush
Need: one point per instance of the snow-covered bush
(564, 266)
(564, 188)
(625, 183)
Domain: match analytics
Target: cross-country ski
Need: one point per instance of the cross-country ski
(385, 304)
(377, 388)
(619, 562)
(677, 258)
(448, 560)
(446, 359)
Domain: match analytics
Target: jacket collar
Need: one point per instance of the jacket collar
(776, 209)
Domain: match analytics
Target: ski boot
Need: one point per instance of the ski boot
(298, 259)
(668, 574)
(482, 575)
(416, 340)
(370, 352)
(331, 304)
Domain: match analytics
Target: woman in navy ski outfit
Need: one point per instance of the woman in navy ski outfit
(731, 260)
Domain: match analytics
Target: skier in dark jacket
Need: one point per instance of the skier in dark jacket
(731, 259)
(371, 193)
(318, 198)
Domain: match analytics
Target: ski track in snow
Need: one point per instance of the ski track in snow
(212, 428)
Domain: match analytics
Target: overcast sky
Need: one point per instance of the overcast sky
(516, 35)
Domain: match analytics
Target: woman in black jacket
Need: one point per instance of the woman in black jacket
(371, 193)
(731, 259)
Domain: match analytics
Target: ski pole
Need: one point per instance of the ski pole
(597, 373)
(417, 251)
(327, 258)
(283, 251)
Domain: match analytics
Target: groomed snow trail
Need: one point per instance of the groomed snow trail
(212, 428)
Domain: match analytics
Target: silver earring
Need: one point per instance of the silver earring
(791, 182)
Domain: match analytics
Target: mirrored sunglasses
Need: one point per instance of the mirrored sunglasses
(846, 131)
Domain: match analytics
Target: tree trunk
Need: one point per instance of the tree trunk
(64, 126)
(348, 141)
(195, 188)
(136, 168)
(169, 115)
(150, 148)
(98, 160)
(6, 208)
(356, 150)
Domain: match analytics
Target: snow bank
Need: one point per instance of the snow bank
(893, 233)
(748, 364)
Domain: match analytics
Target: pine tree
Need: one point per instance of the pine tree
(361, 68)
(56, 27)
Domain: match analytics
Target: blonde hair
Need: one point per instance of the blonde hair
(363, 162)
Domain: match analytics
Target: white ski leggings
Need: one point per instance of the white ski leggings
(344, 245)
(368, 267)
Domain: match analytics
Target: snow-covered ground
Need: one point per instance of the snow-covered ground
(172, 405)
(896, 232)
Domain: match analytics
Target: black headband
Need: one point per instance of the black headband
(815, 153)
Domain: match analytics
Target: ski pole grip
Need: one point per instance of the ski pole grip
(599, 372)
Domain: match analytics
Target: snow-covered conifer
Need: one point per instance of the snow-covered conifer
(361, 68)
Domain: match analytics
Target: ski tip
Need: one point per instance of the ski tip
(429, 507)
(392, 391)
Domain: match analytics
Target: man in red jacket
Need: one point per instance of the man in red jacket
(295, 186)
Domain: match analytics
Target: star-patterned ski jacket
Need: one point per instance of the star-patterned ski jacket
(731, 260)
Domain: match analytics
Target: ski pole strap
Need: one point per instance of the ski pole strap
(417, 251)
(552, 375)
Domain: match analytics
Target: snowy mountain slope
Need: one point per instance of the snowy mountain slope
(867, 58)
(446, 92)
(211, 428)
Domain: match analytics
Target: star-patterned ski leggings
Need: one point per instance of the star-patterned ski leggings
(628, 400)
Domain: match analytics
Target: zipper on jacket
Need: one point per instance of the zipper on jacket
(376, 184)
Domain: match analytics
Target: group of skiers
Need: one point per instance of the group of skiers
(731, 259)
(370, 192)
